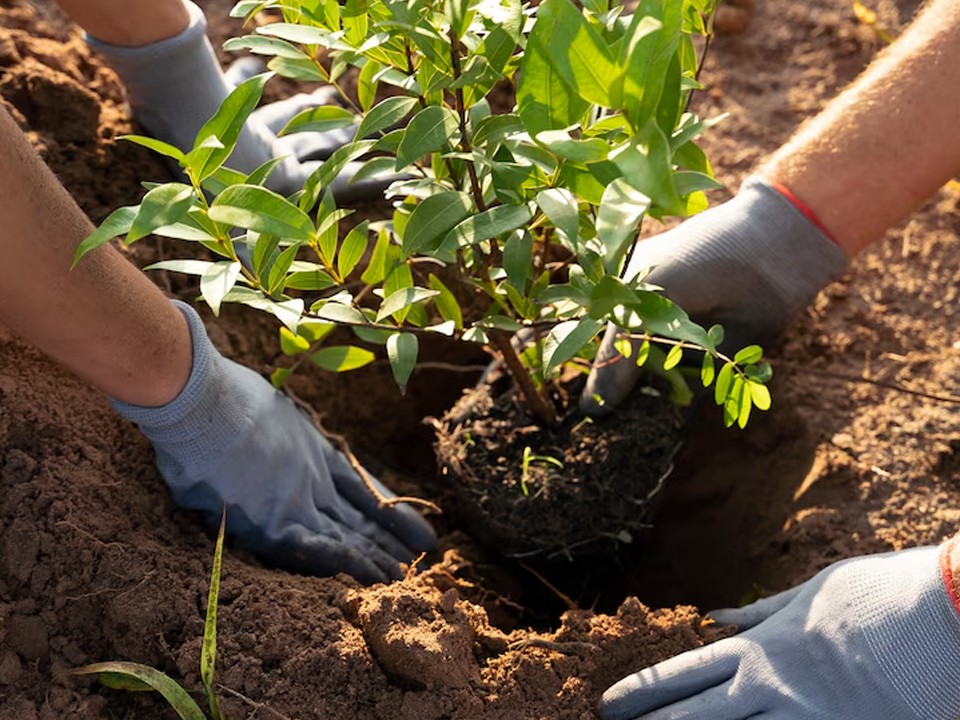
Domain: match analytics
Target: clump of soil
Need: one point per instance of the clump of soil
(593, 485)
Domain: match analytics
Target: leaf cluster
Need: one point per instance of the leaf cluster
(501, 222)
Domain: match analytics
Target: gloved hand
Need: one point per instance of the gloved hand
(750, 265)
(292, 499)
(174, 86)
(868, 638)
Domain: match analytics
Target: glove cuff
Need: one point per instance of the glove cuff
(207, 414)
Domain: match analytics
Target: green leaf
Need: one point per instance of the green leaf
(707, 370)
(645, 163)
(643, 352)
(724, 379)
(560, 207)
(746, 402)
(518, 258)
(337, 312)
(328, 171)
(158, 146)
(297, 34)
(217, 281)
(261, 45)
(260, 174)
(432, 219)
(402, 349)
(188, 267)
(208, 650)
(355, 21)
(256, 208)
(367, 84)
(560, 143)
(291, 344)
(446, 303)
(610, 293)
(545, 101)
(496, 128)
(319, 119)
(297, 69)
(117, 223)
(567, 339)
(430, 130)
(377, 268)
(579, 53)
(178, 698)
(674, 356)
(402, 298)
(341, 358)
(384, 115)
(760, 395)
(647, 52)
(748, 355)
(163, 205)
(621, 209)
(352, 249)
(458, 14)
(277, 276)
(487, 225)
(279, 377)
(225, 126)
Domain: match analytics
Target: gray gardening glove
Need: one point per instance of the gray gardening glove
(291, 498)
(872, 638)
(750, 265)
(176, 85)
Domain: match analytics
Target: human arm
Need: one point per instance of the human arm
(222, 434)
(865, 163)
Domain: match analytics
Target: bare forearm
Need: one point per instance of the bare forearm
(127, 23)
(885, 145)
(104, 320)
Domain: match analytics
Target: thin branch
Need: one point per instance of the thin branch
(252, 703)
(340, 443)
(536, 401)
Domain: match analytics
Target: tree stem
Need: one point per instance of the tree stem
(538, 403)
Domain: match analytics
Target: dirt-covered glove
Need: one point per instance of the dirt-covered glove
(291, 498)
(868, 638)
(750, 265)
(175, 85)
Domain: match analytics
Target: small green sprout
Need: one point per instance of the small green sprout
(529, 458)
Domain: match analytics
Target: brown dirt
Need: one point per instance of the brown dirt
(96, 563)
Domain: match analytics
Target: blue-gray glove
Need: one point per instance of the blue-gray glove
(872, 638)
(292, 499)
(176, 84)
(750, 264)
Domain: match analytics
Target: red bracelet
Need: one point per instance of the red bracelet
(948, 555)
(802, 207)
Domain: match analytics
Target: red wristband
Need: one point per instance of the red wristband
(802, 207)
(950, 558)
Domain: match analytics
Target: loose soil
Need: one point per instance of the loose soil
(589, 488)
(97, 564)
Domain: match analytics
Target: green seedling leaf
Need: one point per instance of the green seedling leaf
(377, 268)
(262, 45)
(292, 344)
(724, 380)
(432, 219)
(328, 171)
(256, 208)
(279, 377)
(560, 143)
(352, 249)
(431, 130)
(560, 207)
(117, 223)
(158, 146)
(674, 356)
(384, 115)
(487, 225)
(297, 34)
(760, 395)
(459, 15)
(403, 298)
(367, 84)
(176, 696)
(319, 119)
(402, 349)
(578, 52)
(646, 53)
(621, 209)
(204, 159)
(518, 258)
(163, 205)
(337, 312)
(342, 358)
(446, 303)
(208, 651)
(355, 20)
(646, 164)
(187, 267)
(567, 339)
(217, 281)
(303, 69)
(545, 100)
(624, 346)
(748, 355)
(643, 353)
(707, 370)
